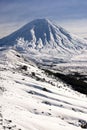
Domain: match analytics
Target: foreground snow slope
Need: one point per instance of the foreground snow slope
(31, 100)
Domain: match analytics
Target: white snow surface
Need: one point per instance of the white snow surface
(24, 105)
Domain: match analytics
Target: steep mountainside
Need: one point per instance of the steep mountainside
(32, 100)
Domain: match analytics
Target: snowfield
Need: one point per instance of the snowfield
(32, 100)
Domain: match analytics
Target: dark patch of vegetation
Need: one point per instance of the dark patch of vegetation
(73, 109)
(23, 79)
(75, 80)
(33, 73)
(2, 89)
(37, 78)
(49, 113)
(9, 121)
(24, 67)
(44, 89)
(8, 125)
(40, 79)
(47, 103)
(83, 124)
(31, 92)
(18, 55)
(79, 76)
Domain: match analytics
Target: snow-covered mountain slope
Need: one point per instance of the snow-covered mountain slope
(31, 100)
(43, 40)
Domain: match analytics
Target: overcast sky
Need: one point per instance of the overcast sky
(71, 14)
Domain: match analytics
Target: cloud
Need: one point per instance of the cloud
(18, 12)
(75, 26)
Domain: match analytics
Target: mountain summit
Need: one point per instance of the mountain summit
(45, 37)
